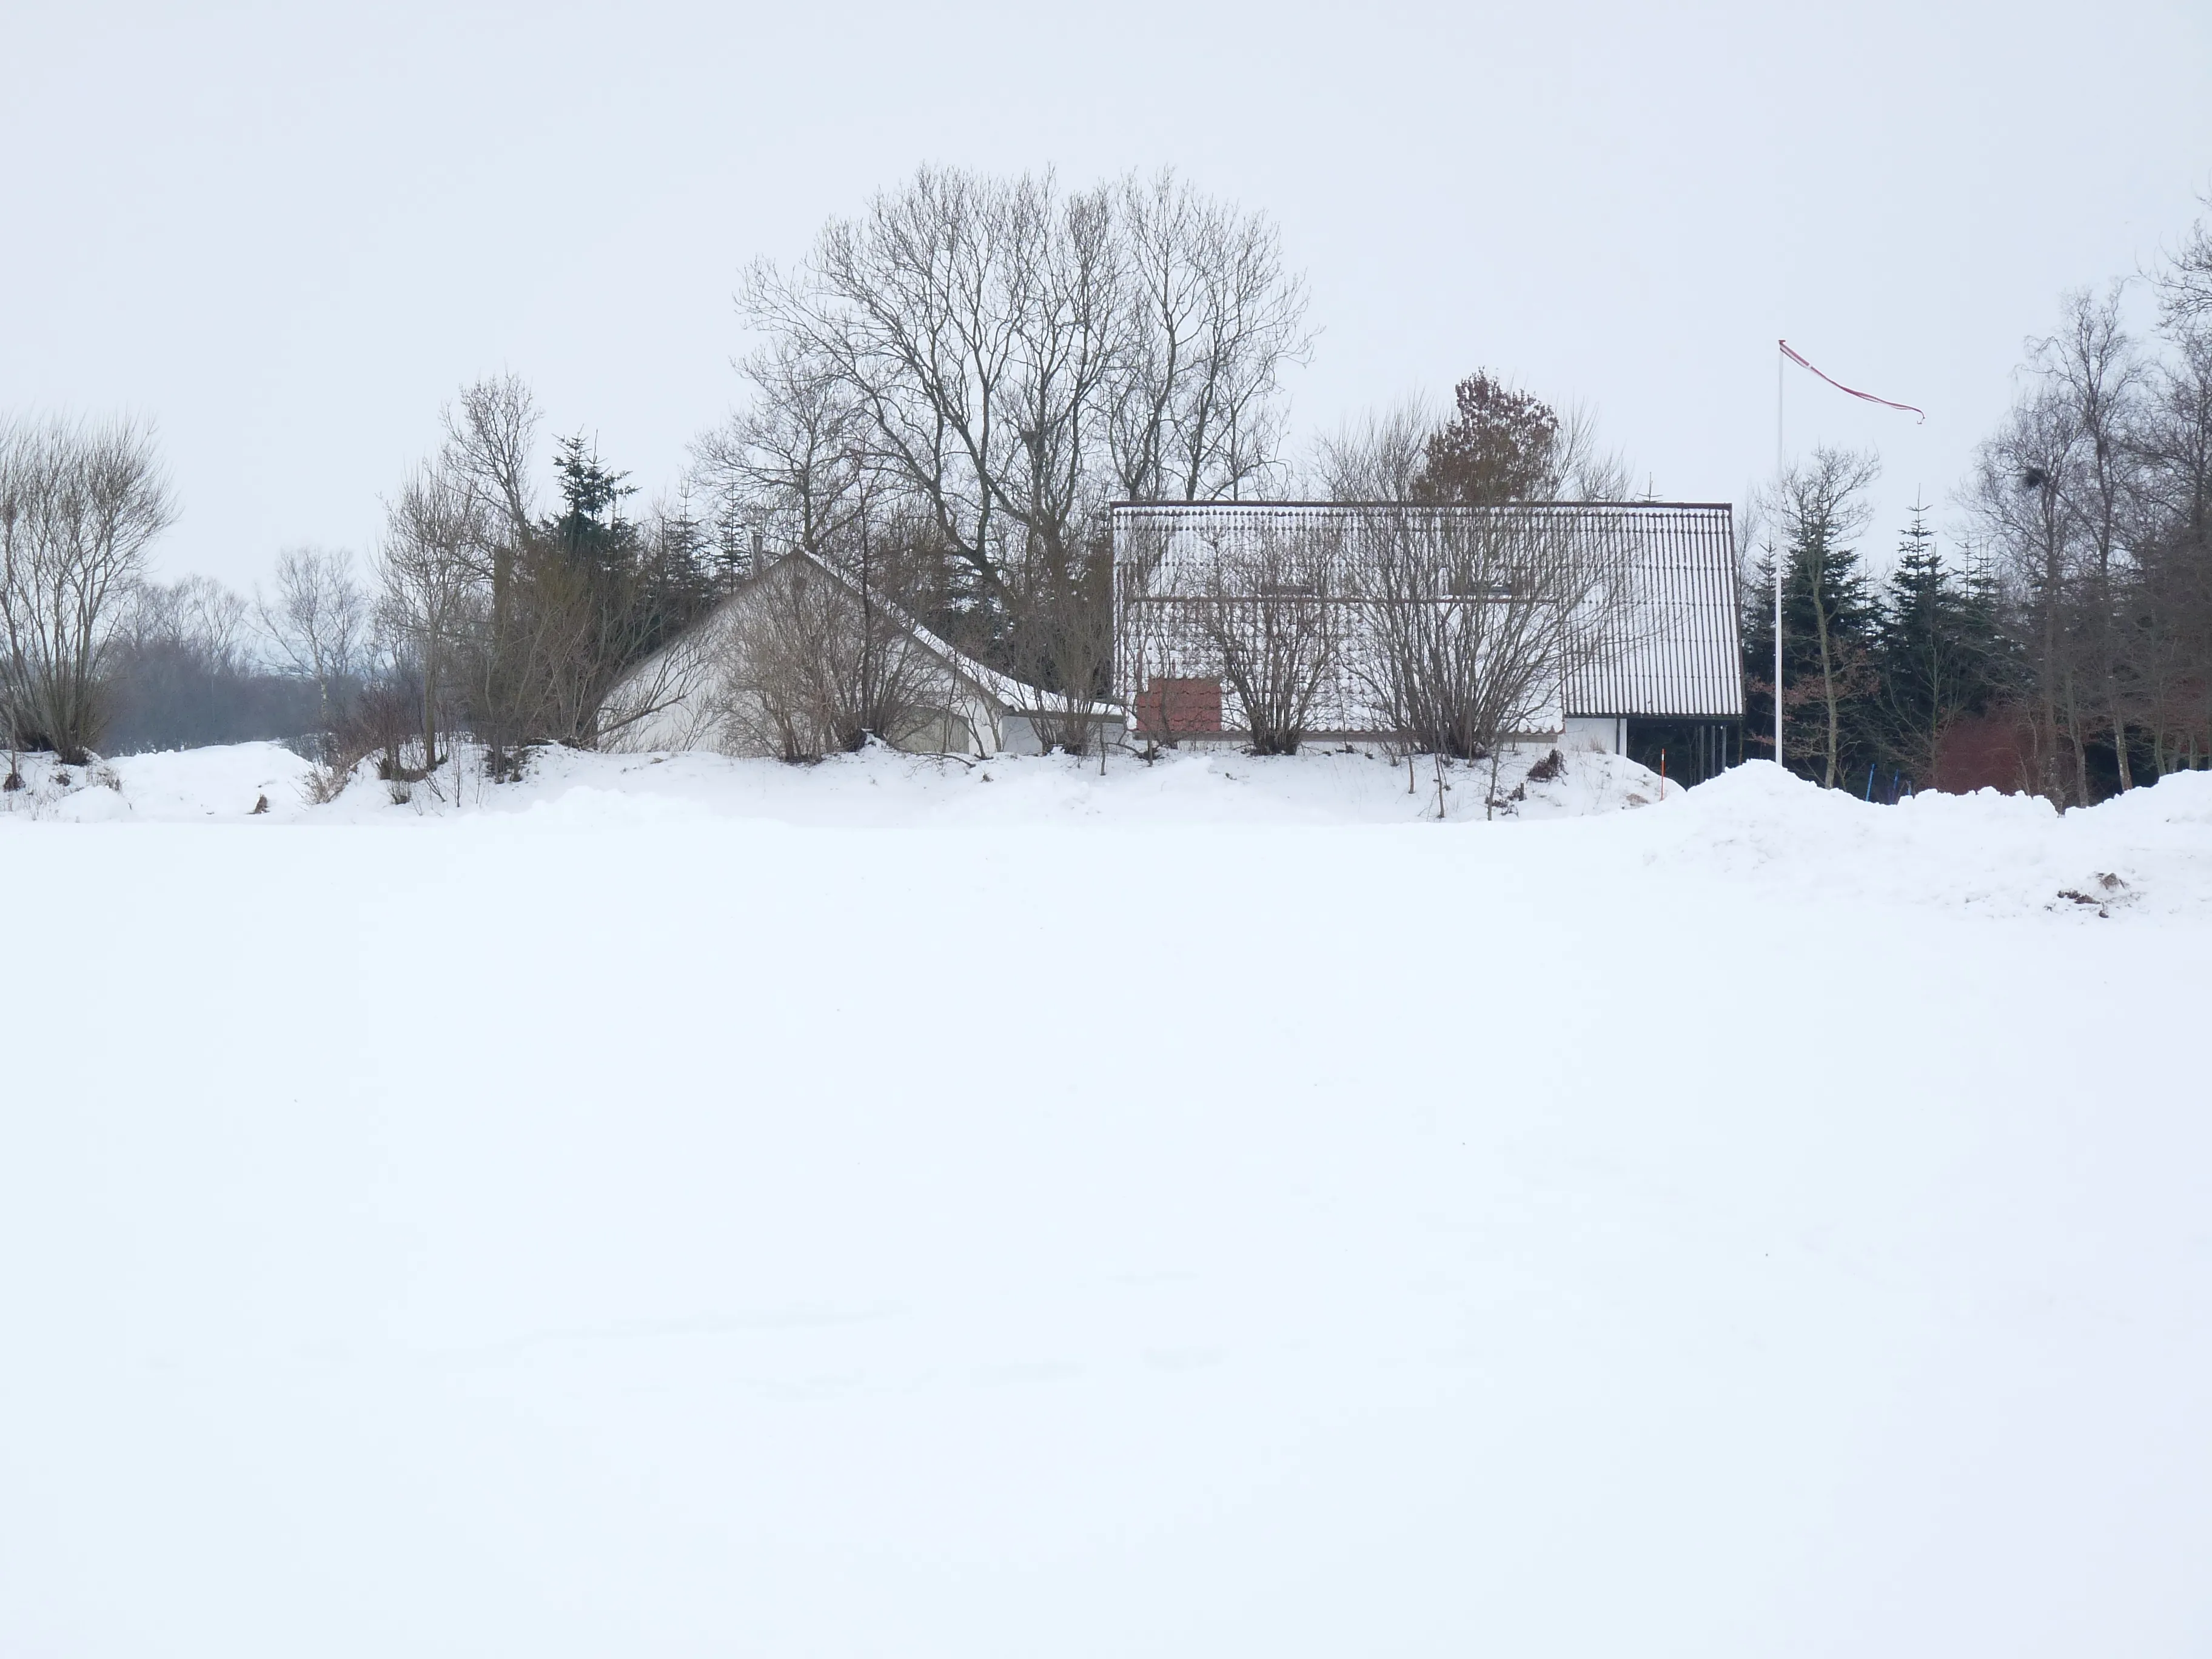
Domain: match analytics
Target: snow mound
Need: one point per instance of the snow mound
(263, 780)
(1985, 854)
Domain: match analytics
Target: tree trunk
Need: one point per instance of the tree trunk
(1828, 680)
(2120, 743)
(429, 713)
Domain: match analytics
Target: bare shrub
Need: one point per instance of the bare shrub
(1472, 620)
(381, 722)
(1269, 614)
(814, 664)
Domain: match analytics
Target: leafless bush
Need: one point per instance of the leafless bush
(1267, 612)
(79, 506)
(815, 665)
(1472, 621)
(384, 720)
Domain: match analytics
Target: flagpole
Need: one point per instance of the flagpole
(1782, 357)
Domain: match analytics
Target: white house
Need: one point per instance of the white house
(705, 690)
(1645, 650)
(1650, 655)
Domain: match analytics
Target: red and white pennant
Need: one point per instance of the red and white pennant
(1798, 358)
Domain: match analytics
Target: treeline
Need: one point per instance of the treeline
(478, 613)
(947, 392)
(2069, 653)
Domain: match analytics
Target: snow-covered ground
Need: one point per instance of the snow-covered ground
(881, 787)
(694, 1207)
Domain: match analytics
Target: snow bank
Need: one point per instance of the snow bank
(1986, 853)
(176, 786)
(878, 788)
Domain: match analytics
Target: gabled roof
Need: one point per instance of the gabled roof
(1012, 696)
(1672, 650)
(1667, 648)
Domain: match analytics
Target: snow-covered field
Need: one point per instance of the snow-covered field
(694, 1207)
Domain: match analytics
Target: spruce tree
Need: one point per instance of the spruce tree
(1941, 652)
(590, 529)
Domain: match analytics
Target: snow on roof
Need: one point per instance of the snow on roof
(1013, 696)
(1667, 648)
(1671, 650)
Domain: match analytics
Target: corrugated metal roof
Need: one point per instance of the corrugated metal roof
(1665, 647)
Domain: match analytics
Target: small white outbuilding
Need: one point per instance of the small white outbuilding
(718, 686)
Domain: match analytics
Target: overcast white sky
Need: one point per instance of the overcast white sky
(287, 233)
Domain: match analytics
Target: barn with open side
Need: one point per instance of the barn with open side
(1632, 607)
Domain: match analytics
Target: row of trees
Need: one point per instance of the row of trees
(2071, 650)
(947, 392)
(1876, 677)
(478, 611)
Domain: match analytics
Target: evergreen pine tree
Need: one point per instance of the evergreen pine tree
(590, 529)
(1941, 652)
(1757, 631)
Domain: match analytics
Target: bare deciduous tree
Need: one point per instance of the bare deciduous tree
(2091, 367)
(436, 529)
(2175, 495)
(80, 503)
(1001, 357)
(2184, 283)
(2020, 511)
(1214, 317)
(793, 462)
(318, 620)
(1821, 507)
(1381, 456)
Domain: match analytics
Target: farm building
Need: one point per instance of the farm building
(791, 660)
(1594, 625)
(1597, 625)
